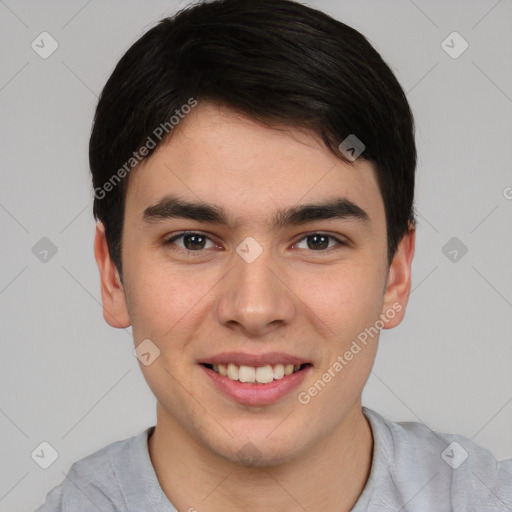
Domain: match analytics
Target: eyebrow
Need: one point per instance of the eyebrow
(174, 207)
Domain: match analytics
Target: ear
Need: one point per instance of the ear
(115, 311)
(398, 286)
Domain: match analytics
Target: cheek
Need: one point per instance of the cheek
(346, 298)
(164, 299)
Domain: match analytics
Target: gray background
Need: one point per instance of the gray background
(71, 380)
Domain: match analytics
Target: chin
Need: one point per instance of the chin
(260, 452)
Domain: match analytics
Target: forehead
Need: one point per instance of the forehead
(218, 156)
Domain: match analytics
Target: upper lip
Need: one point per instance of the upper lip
(255, 360)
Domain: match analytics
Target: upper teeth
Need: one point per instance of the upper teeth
(261, 374)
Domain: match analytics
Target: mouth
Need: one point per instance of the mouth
(255, 380)
(259, 375)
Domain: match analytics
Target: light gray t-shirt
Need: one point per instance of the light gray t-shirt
(413, 470)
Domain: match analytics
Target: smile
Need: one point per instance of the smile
(255, 380)
(255, 375)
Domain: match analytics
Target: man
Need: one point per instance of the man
(253, 169)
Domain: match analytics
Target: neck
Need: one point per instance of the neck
(329, 477)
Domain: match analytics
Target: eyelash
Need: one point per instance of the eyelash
(171, 240)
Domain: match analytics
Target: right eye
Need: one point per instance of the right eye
(192, 241)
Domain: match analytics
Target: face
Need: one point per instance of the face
(255, 287)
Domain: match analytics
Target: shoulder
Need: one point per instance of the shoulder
(92, 482)
(442, 468)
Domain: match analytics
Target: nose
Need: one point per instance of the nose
(255, 298)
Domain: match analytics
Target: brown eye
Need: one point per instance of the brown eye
(191, 241)
(319, 241)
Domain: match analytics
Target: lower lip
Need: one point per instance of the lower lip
(257, 394)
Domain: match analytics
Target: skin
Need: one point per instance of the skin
(292, 298)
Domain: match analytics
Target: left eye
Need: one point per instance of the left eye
(319, 241)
